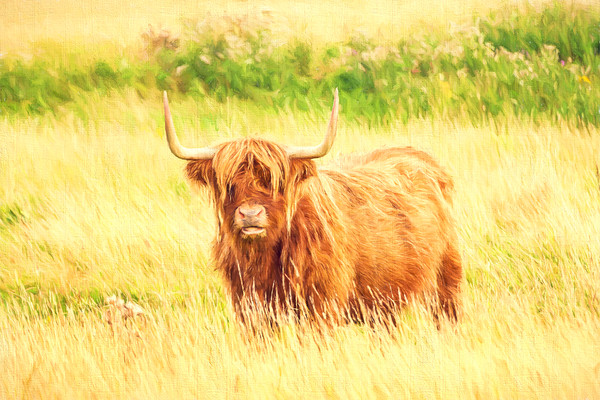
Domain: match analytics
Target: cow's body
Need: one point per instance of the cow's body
(364, 235)
(369, 234)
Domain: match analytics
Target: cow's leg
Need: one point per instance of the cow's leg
(324, 312)
(449, 282)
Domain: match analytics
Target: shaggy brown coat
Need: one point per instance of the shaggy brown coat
(366, 234)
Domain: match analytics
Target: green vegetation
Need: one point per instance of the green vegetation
(10, 214)
(531, 65)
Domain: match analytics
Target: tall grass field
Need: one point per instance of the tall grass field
(95, 209)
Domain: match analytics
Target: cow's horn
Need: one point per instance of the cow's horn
(321, 149)
(202, 153)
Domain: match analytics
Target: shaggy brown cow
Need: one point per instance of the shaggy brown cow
(367, 234)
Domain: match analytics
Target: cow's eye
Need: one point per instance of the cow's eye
(265, 185)
(264, 181)
(231, 191)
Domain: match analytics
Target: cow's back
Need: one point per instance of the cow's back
(405, 160)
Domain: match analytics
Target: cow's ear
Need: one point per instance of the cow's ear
(200, 172)
(302, 169)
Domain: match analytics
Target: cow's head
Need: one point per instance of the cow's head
(253, 181)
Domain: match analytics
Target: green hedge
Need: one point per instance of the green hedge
(531, 64)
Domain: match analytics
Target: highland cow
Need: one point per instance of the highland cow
(336, 243)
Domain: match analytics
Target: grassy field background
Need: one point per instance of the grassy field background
(92, 203)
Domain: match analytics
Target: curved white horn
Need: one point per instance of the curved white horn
(321, 149)
(201, 153)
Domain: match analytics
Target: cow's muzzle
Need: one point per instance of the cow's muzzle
(252, 220)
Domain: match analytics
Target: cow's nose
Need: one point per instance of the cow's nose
(247, 211)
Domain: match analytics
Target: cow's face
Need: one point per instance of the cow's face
(253, 204)
(254, 184)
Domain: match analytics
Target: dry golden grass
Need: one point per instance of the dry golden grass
(106, 210)
(101, 208)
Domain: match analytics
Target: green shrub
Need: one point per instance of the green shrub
(532, 65)
(575, 32)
